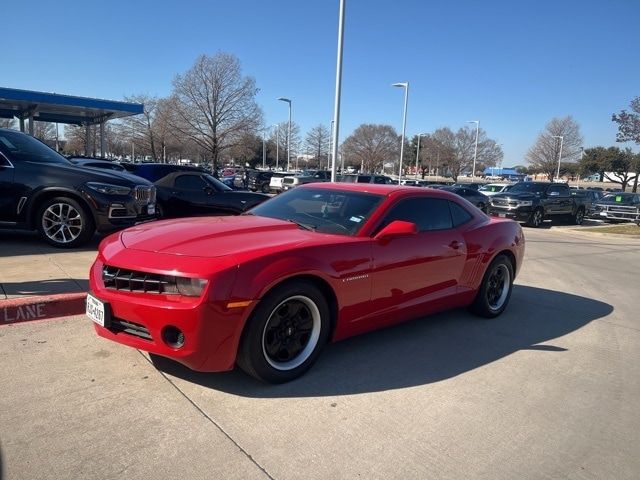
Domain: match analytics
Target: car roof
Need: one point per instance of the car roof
(168, 180)
(378, 189)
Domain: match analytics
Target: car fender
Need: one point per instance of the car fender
(33, 203)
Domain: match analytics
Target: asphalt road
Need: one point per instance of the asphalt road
(550, 389)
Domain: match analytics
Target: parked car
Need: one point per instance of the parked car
(471, 185)
(618, 207)
(97, 163)
(155, 171)
(186, 194)
(259, 181)
(589, 198)
(309, 176)
(322, 262)
(275, 183)
(532, 202)
(42, 190)
(472, 196)
(492, 189)
(378, 179)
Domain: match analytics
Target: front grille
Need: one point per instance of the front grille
(288, 181)
(115, 278)
(144, 194)
(118, 325)
(499, 202)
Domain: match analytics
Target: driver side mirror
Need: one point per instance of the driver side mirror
(208, 190)
(397, 228)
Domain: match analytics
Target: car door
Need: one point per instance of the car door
(8, 200)
(563, 199)
(190, 195)
(410, 272)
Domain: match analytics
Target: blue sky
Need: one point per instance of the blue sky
(513, 65)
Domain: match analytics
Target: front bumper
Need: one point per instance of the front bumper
(115, 212)
(211, 330)
(519, 214)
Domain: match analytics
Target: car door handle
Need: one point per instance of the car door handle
(455, 245)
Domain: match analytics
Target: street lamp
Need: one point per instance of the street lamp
(418, 153)
(404, 85)
(336, 99)
(475, 151)
(561, 137)
(282, 99)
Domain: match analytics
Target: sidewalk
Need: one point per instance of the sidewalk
(38, 281)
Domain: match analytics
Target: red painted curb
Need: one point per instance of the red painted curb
(18, 310)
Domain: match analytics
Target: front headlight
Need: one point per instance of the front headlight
(190, 287)
(108, 188)
(525, 203)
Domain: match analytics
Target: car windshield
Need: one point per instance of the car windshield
(20, 147)
(491, 188)
(217, 184)
(322, 210)
(528, 187)
(619, 198)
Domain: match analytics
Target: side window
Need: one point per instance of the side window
(364, 179)
(3, 161)
(189, 182)
(558, 190)
(459, 215)
(381, 180)
(427, 213)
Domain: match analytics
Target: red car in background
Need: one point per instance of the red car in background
(266, 290)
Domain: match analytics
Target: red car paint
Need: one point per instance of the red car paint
(370, 283)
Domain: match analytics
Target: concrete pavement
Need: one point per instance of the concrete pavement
(548, 390)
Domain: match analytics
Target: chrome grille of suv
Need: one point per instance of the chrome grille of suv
(499, 202)
(115, 278)
(144, 194)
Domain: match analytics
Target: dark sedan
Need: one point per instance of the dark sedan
(97, 163)
(478, 199)
(185, 194)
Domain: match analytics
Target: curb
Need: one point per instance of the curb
(20, 310)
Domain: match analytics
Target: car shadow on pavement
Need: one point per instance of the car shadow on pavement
(17, 242)
(422, 351)
(44, 287)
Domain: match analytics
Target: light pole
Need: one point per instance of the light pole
(404, 85)
(287, 100)
(329, 160)
(336, 100)
(475, 151)
(264, 149)
(418, 153)
(561, 137)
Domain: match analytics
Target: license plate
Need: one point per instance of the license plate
(151, 209)
(502, 215)
(96, 310)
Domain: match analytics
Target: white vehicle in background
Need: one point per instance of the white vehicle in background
(492, 189)
(275, 185)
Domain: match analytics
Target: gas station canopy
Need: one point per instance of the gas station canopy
(53, 107)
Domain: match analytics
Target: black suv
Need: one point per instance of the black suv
(42, 190)
(259, 181)
(379, 179)
(532, 202)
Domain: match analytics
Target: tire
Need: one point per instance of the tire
(159, 211)
(492, 298)
(64, 223)
(286, 333)
(578, 218)
(536, 218)
(264, 188)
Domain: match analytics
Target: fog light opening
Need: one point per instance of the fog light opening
(173, 337)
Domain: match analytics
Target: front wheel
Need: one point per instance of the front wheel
(536, 218)
(265, 188)
(495, 290)
(285, 334)
(578, 218)
(64, 223)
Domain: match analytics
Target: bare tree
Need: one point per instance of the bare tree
(7, 123)
(371, 146)
(279, 136)
(44, 131)
(317, 143)
(214, 105)
(544, 154)
(141, 128)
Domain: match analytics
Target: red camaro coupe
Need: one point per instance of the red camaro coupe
(267, 289)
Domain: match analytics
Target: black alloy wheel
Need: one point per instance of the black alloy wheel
(285, 333)
(536, 218)
(495, 290)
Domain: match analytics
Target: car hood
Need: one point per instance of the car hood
(516, 196)
(97, 174)
(211, 237)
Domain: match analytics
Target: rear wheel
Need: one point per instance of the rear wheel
(495, 290)
(64, 223)
(285, 334)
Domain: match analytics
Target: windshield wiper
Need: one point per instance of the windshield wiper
(301, 225)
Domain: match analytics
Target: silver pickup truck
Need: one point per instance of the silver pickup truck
(309, 176)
